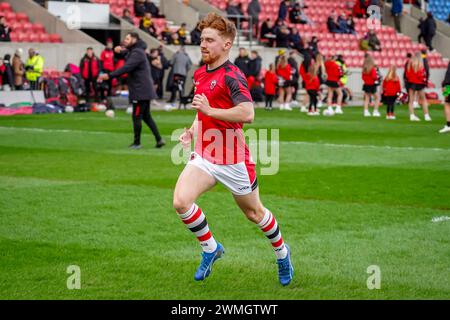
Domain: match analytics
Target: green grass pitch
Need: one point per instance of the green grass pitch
(351, 192)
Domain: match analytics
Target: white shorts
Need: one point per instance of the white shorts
(239, 178)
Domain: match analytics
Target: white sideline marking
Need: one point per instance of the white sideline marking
(440, 219)
(335, 145)
(357, 146)
(56, 130)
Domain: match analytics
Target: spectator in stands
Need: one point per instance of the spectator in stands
(295, 41)
(174, 39)
(283, 10)
(371, 80)
(282, 38)
(181, 63)
(166, 34)
(7, 73)
(182, 34)
(421, 27)
(4, 30)
(107, 63)
(360, 8)
(34, 68)
(284, 74)
(297, 16)
(90, 67)
(242, 61)
(253, 10)
(139, 8)
(342, 24)
(332, 23)
(147, 25)
(429, 30)
(351, 25)
(195, 35)
(448, 19)
(233, 11)
(268, 32)
(126, 15)
(373, 41)
(397, 11)
(153, 9)
(254, 64)
(416, 75)
(18, 69)
(270, 86)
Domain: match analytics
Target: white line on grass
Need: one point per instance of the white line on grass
(334, 145)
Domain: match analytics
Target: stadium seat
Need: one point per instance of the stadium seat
(55, 38)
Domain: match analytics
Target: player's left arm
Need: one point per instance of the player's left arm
(243, 112)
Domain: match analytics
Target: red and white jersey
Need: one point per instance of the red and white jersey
(221, 142)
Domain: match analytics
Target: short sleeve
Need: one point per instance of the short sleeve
(238, 87)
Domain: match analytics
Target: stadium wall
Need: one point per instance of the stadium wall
(179, 12)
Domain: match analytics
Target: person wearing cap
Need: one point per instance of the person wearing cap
(34, 68)
(107, 59)
(18, 69)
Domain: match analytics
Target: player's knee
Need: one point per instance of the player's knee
(255, 215)
(180, 204)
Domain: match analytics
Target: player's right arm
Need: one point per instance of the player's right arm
(188, 134)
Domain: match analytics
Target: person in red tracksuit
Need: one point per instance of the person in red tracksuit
(391, 89)
(270, 85)
(334, 74)
(285, 87)
(90, 67)
(312, 86)
(417, 77)
(107, 59)
(371, 81)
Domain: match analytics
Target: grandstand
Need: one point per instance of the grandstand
(61, 46)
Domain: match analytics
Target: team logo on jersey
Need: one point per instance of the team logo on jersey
(213, 84)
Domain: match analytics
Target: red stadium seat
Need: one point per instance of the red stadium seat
(5, 7)
(23, 37)
(55, 38)
(44, 37)
(22, 17)
(39, 28)
(34, 37)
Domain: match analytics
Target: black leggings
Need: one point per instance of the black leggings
(390, 103)
(269, 100)
(312, 100)
(141, 111)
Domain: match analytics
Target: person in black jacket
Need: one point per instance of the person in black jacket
(4, 30)
(430, 30)
(242, 61)
(8, 74)
(254, 64)
(446, 90)
(140, 86)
